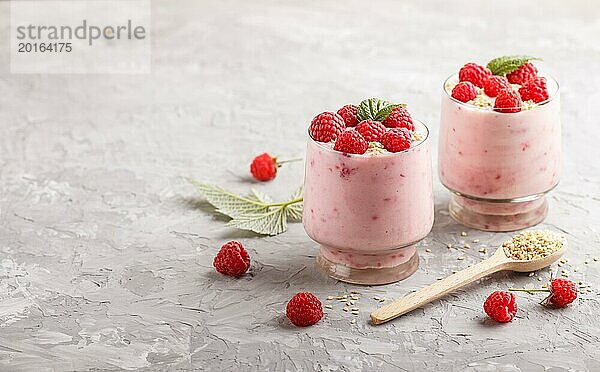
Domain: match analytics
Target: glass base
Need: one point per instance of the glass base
(368, 275)
(495, 216)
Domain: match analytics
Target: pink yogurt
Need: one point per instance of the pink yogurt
(490, 156)
(366, 211)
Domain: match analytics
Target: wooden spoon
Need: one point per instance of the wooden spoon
(497, 262)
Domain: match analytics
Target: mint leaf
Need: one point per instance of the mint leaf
(386, 111)
(375, 109)
(507, 64)
(255, 212)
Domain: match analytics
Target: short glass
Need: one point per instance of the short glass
(368, 211)
(499, 166)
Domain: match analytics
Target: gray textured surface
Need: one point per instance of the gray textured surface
(105, 251)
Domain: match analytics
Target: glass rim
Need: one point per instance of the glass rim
(550, 99)
(365, 155)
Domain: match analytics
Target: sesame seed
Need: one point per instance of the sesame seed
(354, 309)
(460, 258)
(533, 244)
(353, 321)
(354, 292)
(381, 299)
(449, 245)
(428, 250)
(329, 306)
(464, 233)
(475, 241)
(531, 274)
(376, 298)
(595, 258)
(345, 309)
(467, 246)
(330, 297)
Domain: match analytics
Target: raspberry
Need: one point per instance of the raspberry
(464, 91)
(348, 113)
(474, 73)
(264, 167)
(508, 101)
(399, 118)
(523, 74)
(494, 84)
(535, 89)
(326, 126)
(304, 309)
(351, 142)
(396, 139)
(562, 292)
(371, 130)
(501, 306)
(232, 259)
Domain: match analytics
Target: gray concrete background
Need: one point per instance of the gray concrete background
(106, 252)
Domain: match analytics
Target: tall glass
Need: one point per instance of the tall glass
(499, 166)
(368, 211)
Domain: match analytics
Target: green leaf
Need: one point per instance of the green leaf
(271, 223)
(507, 64)
(375, 109)
(294, 211)
(256, 212)
(231, 204)
(386, 111)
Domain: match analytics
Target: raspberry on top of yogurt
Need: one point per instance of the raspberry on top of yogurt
(361, 129)
(508, 76)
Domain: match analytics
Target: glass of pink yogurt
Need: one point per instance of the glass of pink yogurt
(499, 165)
(368, 210)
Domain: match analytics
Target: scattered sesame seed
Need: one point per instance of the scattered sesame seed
(533, 244)
(353, 321)
(376, 298)
(464, 233)
(428, 250)
(381, 299)
(354, 297)
(354, 292)
(539, 278)
(595, 258)
(460, 258)
(329, 306)
(476, 241)
(345, 309)
(531, 274)
(467, 246)
(354, 309)
(351, 302)
(586, 262)
(449, 245)
(330, 297)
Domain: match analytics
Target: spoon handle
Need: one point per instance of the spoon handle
(438, 289)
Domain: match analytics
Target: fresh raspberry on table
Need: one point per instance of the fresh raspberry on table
(396, 139)
(464, 91)
(494, 84)
(264, 167)
(562, 292)
(501, 306)
(508, 101)
(349, 114)
(232, 259)
(371, 130)
(523, 74)
(326, 126)
(304, 309)
(535, 89)
(351, 142)
(474, 73)
(399, 118)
